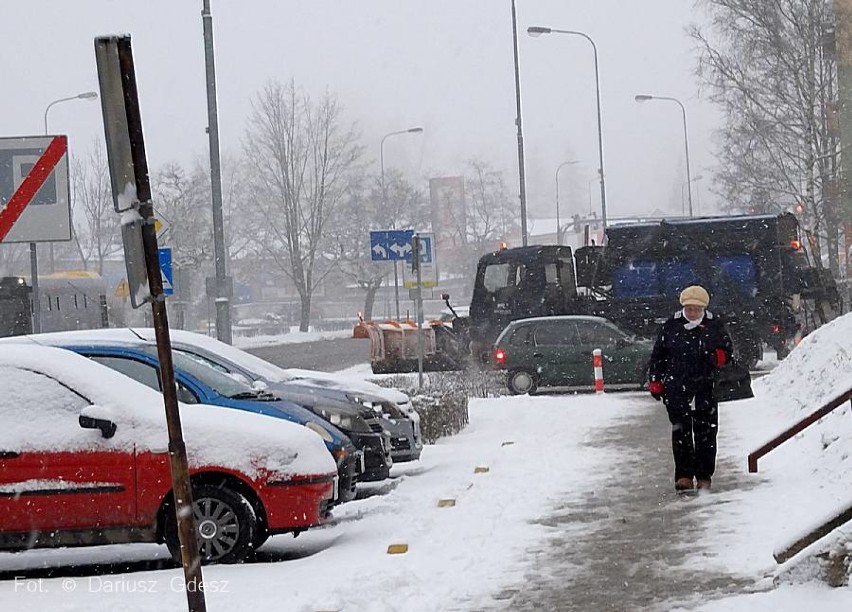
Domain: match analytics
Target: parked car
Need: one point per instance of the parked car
(556, 352)
(84, 461)
(198, 383)
(391, 406)
(359, 423)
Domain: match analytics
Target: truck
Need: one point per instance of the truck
(762, 282)
(756, 268)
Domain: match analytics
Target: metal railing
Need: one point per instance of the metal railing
(798, 427)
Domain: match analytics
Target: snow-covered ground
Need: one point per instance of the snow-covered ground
(294, 337)
(537, 454)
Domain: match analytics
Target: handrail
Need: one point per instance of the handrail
(792, 431)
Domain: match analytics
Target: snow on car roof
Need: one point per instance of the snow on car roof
(215, 436)
(272, 372)
(239, 357)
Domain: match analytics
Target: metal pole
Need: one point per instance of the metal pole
(521, 173)
(600, 133)
(644, 98)
(414, 130)
(415, 258)
(34, 285)
(223, 289)
(137, 165)
(686, 147)
(537, 31)
(558, 231)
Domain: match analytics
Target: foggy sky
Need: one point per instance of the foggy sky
(445, 65)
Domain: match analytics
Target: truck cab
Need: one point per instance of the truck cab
(516, 284)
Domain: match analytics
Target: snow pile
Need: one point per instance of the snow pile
(816, 371)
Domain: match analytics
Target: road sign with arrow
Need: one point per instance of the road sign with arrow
(391, 245)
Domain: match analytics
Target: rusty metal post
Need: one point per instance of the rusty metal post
(105, 47)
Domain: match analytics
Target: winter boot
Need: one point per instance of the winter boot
(704, 483)
(684, 484)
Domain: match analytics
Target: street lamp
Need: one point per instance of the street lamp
(414, 130)
(538, 31)
(86, 95)
(558, 227)
(697, 199)
(645, 98)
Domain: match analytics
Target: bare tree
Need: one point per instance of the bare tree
(361, 211)
(303, 154)
(95, 230)
(771, 66)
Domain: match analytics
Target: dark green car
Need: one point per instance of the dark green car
(556, 352)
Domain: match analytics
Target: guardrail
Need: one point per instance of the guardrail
(798, 427)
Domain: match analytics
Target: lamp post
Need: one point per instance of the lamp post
(224, 285)
(558, 226)
(86, 95)
(538, 31)
(645, 98)
(414, 130)
(697, 201)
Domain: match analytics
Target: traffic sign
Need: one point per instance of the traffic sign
(391, 245)
(428, 265)
(166, 270)
(34, 189)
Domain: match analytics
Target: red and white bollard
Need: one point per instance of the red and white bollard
(597, 361)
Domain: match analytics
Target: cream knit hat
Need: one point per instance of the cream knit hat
(694, 295)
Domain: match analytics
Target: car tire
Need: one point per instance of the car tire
(522, 381)
(226, 525)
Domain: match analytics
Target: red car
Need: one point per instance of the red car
(84, 461)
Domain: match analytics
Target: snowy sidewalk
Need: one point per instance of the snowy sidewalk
(628, 541)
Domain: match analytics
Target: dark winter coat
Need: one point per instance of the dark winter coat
(686, 357)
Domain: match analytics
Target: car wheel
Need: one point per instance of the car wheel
(522, 381)
(225, 522)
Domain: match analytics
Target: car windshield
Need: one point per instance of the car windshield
(216, 379)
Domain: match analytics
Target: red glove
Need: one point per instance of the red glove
(656, 389)
(720, 358)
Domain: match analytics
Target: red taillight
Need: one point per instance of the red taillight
(776, 329)
(795, 244)
(500, 356)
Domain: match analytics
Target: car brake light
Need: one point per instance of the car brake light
(500, 356)
(796, 244)
(776, 329)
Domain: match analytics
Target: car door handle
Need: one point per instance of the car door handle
(8, 455)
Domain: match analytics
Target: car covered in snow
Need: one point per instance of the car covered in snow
(556, 352)
(393, 407)
(84, 461)
(198, 383)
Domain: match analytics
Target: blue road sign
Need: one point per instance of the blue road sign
(166, 270)
(391, 245)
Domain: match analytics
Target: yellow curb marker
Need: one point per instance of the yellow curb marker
(397, 549)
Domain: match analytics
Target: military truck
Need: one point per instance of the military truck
(754, 266)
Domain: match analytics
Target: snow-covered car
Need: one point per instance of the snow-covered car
(84, 461)
(398, 417)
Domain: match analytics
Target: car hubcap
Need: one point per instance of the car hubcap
(522, 382)
(217, 526)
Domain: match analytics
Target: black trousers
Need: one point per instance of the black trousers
(693, 430)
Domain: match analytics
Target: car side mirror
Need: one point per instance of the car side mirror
(97, 417)
(259, 385)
